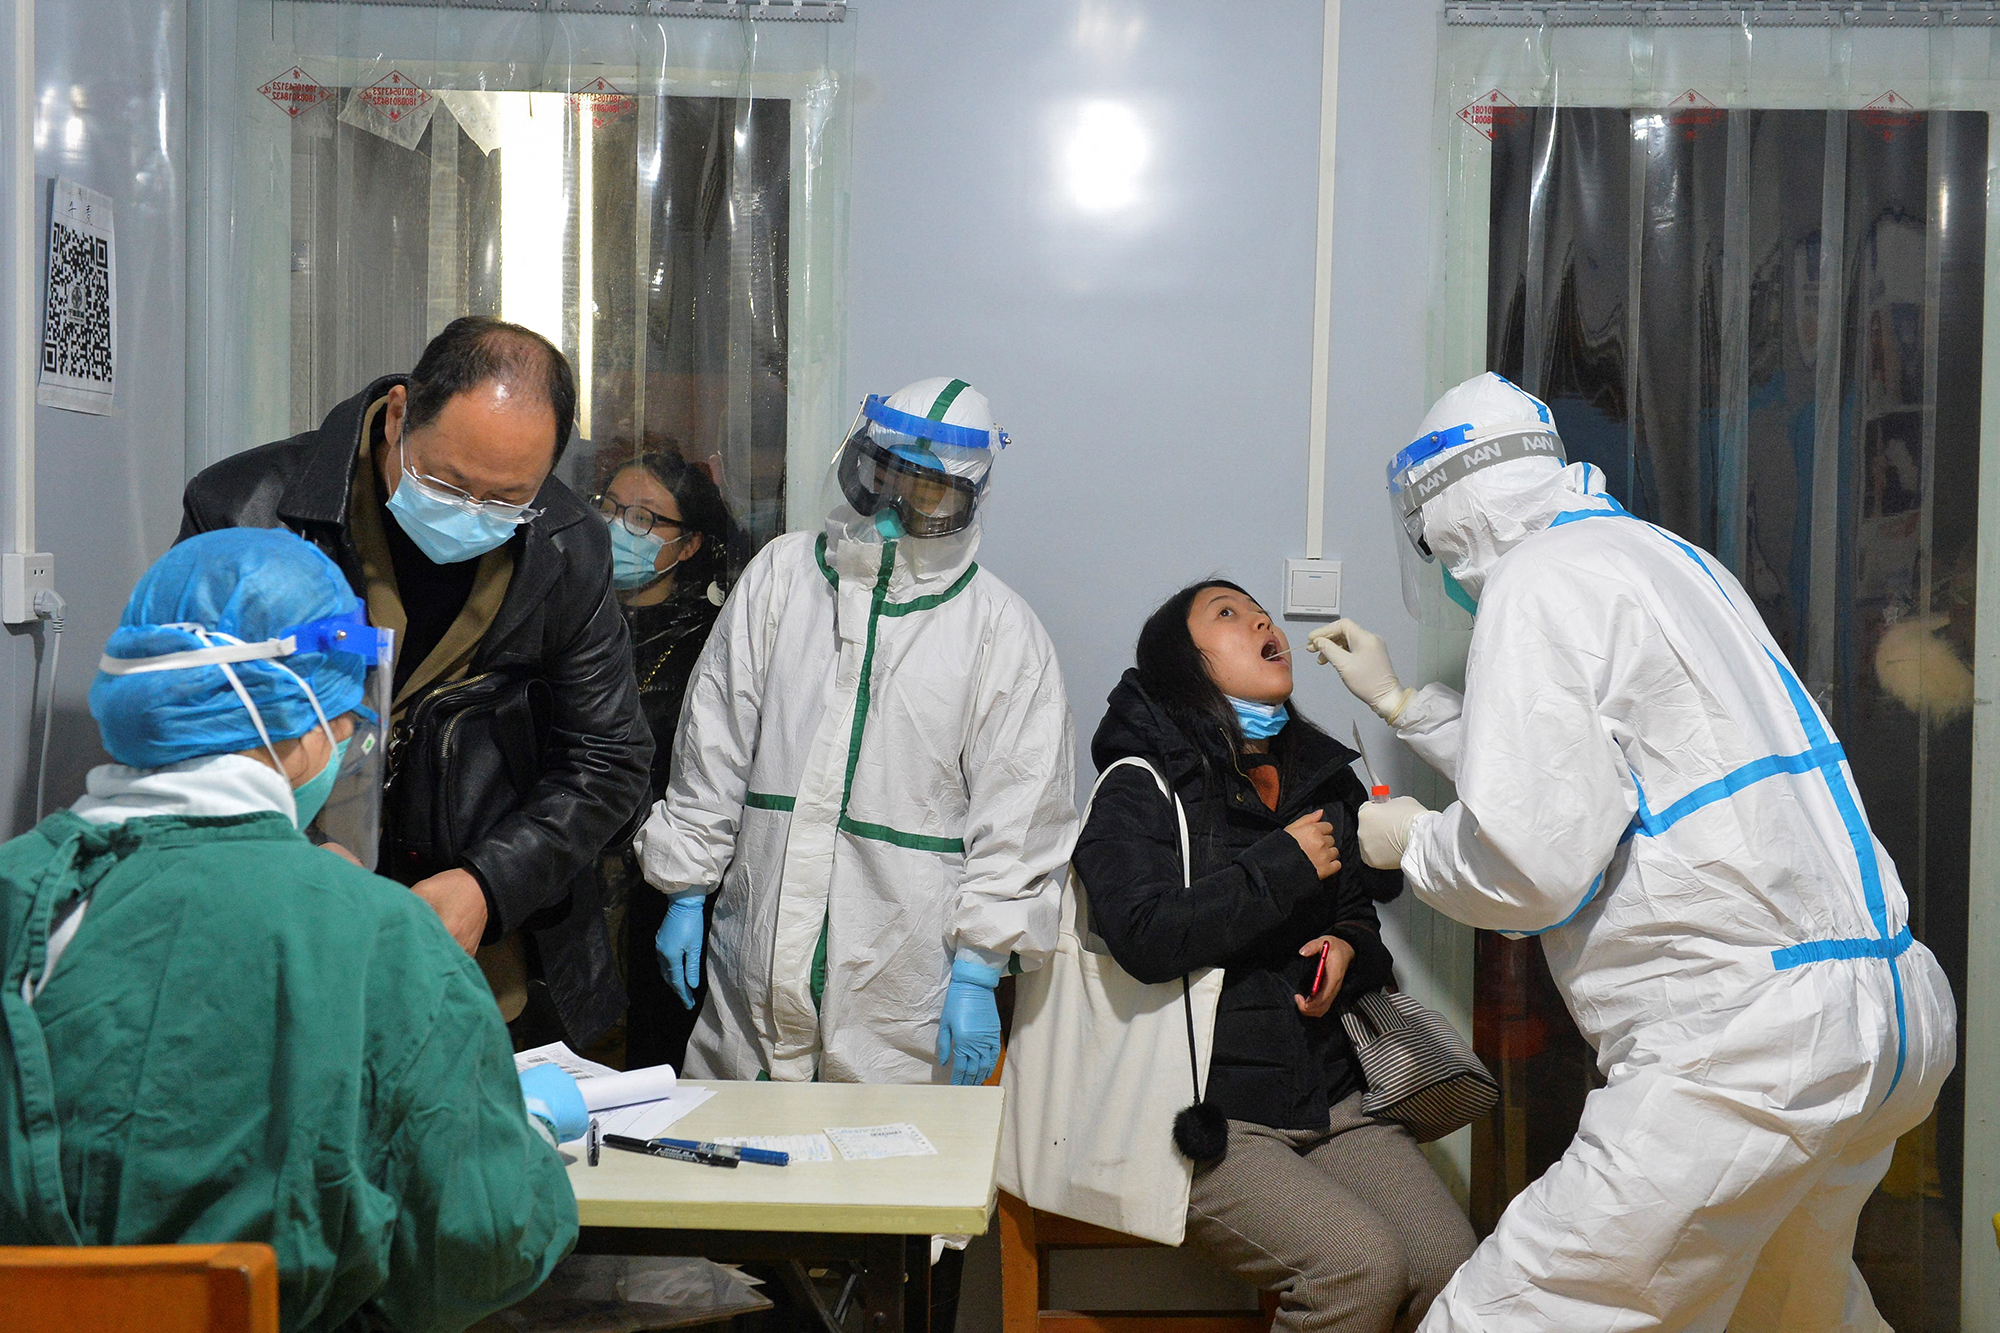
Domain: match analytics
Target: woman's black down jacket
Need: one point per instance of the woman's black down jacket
(1255, 900)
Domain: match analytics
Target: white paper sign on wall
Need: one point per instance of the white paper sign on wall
(80, 312)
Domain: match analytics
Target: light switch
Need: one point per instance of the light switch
(1312, 589)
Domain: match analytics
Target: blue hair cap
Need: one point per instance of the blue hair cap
(252, 584)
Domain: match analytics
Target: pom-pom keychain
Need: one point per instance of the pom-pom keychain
(1201, 1131)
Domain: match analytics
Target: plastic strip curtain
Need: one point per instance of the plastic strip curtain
(663, 197)
(1748, 268)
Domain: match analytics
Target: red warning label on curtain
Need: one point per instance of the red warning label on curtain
(295, 90)
(602, 102)
(1888, 114)
(1690, 113)
(1487, 115)
(395, 96)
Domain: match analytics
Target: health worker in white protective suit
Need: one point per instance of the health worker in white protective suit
(876, 764)
(1644, 782)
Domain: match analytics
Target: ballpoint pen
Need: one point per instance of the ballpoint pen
(756, 1156)
(655, 1149)
(591, 1142)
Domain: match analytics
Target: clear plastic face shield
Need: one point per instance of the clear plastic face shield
(352, 813)
(924, 481)
(1428, 466)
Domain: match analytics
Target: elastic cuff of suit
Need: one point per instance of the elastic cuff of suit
(969, 967)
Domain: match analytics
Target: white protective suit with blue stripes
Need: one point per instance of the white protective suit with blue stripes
(1644, 782)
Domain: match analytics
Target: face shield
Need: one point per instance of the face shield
(351, 815)
(1442, 459)
(927, 476)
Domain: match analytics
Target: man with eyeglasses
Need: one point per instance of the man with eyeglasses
(433, 493)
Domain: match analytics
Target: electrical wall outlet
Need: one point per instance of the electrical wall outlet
(21, 577)
(1312, 589)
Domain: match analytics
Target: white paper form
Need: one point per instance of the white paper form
(867, 1143)
(801, 1147)
(664, 1101)
(559, 1054)
(649, 1120)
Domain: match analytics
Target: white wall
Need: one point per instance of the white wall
(110, 114)
(1152, 362)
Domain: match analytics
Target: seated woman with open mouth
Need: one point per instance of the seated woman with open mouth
(1334, 1210)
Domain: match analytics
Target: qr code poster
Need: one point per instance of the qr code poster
(80, 318)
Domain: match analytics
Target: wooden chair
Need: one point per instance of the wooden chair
(160, 1288)
(1027, 1235)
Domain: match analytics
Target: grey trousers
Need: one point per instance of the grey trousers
(1350, 1226)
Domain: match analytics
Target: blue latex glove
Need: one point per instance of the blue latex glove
(678, 944)
(555, 1100)
(969, 1032)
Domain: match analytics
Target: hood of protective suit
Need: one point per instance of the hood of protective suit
(1471, 525)
(951, 402)
(1475, 520)
(854, 541)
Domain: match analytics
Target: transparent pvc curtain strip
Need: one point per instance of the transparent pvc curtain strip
(341, 247)
(1753, 268)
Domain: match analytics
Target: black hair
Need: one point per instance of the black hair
(1174, 673)
(476, 349)
(703, 509)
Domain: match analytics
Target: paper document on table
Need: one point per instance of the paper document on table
(649, 1120)
(802, 1147)
(640, 1103)
(865, 1143)
(559, 1054)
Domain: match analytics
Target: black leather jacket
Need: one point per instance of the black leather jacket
(559, 620)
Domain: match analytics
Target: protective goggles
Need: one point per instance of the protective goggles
(929, 501)
(1414, 478)
(352, 815)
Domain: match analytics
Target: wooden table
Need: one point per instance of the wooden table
(881, 1213)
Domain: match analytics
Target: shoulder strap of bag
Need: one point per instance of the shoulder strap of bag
(1180, 812)
(1187, 882)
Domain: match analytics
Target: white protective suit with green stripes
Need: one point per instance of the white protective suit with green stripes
(877, 765)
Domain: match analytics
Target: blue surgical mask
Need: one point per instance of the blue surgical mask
(1259, 721)
(442, 530)
(310, 797)
(632, 558)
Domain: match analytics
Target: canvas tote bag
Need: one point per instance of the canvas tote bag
(1097, 1068)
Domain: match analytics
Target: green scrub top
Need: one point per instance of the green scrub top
(251, 1039)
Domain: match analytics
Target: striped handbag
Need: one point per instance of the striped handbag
(1420, 1072)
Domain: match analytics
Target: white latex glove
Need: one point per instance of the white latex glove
(1362, 660)
(1384, 829)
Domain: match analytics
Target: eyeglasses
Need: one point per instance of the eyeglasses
(637, 519)
(464, 500)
